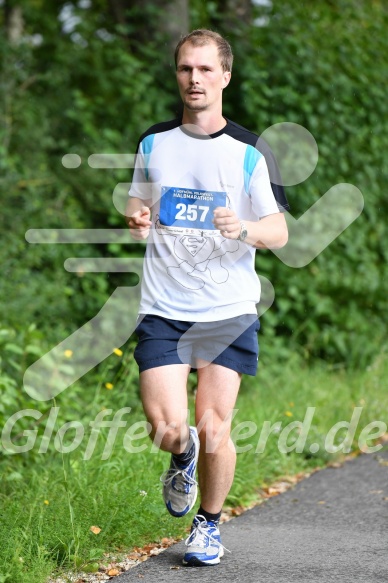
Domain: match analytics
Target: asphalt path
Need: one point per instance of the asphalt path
(332, 526)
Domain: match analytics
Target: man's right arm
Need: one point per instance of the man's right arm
(138, 218)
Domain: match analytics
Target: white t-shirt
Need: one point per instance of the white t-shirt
(191, 272)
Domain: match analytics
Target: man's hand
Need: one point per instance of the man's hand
(227, 222)
(139, 223)
(270, 232)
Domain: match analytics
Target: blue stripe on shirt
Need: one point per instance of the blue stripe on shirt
(252, 156)
(147, 145)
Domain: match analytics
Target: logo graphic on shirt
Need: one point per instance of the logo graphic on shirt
(193, 244)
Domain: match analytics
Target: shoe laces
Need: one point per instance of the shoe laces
(181, 477)
(200, 533)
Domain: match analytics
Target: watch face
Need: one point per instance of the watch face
(243, 234)
(243, 231)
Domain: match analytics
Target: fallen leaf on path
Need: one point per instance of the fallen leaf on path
(291, 479)
(113, 572)
(150, 547)
(95, 529)
(276, 489)
(138, 550)
(237, 511)
(269, 492)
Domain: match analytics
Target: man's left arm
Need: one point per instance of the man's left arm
(269, 232)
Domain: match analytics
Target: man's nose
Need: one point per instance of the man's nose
(194, 76)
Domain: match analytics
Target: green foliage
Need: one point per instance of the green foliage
(320, 66)
(96, 85)
(79, 92)
(18, 351)
(112, 385)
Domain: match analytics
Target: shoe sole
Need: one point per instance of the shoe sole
(194, 562)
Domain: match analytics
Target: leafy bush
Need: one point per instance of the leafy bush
(334, 307)
(98, 87)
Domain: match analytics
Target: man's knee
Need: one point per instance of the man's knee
(214, 431)
(171, 435)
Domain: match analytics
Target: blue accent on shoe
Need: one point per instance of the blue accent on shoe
(177, 514)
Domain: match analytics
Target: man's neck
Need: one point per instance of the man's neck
(207, 123)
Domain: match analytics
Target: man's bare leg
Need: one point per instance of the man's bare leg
(216, 397)
(164, 396)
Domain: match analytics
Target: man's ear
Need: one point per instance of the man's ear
(226, 78)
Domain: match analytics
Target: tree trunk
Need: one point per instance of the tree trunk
(175, 20)
(14, 23)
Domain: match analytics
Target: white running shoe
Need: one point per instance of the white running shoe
(204, 545)
(179, 483)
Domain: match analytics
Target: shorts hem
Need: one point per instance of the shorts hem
(156, 362)
(250, 370)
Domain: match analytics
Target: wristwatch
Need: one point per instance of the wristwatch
(243, 232)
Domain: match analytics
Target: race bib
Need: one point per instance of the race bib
(189, 210)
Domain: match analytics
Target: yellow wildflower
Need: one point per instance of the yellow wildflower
(118, 352)
(46, 502)
(68, 353)
(288, 413)
(109, 386)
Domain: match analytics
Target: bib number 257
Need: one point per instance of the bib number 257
(190, 212)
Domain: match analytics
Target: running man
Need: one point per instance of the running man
(202, 195)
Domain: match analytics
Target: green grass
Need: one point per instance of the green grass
(49, 501)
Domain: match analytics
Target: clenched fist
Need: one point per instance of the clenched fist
(227, 222)
(139, 223)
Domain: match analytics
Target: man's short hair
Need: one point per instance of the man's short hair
(201, 37)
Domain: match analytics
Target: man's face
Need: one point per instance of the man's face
(200, 77)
